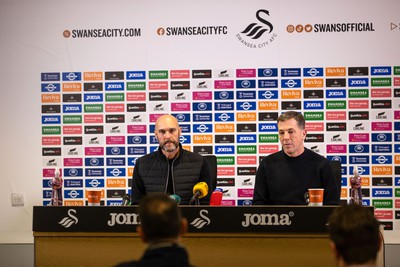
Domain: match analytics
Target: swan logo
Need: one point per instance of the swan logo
(201, 221)
(68, 221)
(252, 35)
(254, 30)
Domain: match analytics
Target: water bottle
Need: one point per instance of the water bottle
(56, 184)
(355, 190)
(126, 200)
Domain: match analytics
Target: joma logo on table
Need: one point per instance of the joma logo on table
(123, 218)
(267, 219)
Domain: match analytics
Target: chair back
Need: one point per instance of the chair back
(212, 162)
(337, 171)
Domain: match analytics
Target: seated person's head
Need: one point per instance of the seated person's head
(297, 116)
(354, 233)
(160, 219)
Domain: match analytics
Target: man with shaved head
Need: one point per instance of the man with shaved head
(171, 169)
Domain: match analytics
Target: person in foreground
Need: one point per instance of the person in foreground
(171, 169)
(355, 237)
(161, 227)
(284, 177)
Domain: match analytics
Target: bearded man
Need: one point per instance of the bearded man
(171, 169)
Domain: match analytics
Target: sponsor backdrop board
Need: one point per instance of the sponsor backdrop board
(96, 77)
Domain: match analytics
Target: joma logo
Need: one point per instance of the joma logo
(267, 219)
(123, 218)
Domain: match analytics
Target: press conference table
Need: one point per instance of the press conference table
(218, 236)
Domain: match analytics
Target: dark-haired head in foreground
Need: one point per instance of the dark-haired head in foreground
(160, 219)
(354, 234)
(161, 226)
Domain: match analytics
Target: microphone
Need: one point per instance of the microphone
(216, 197)
(176, 198)
(200, 190)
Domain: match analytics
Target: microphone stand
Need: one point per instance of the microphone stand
(195, 200)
